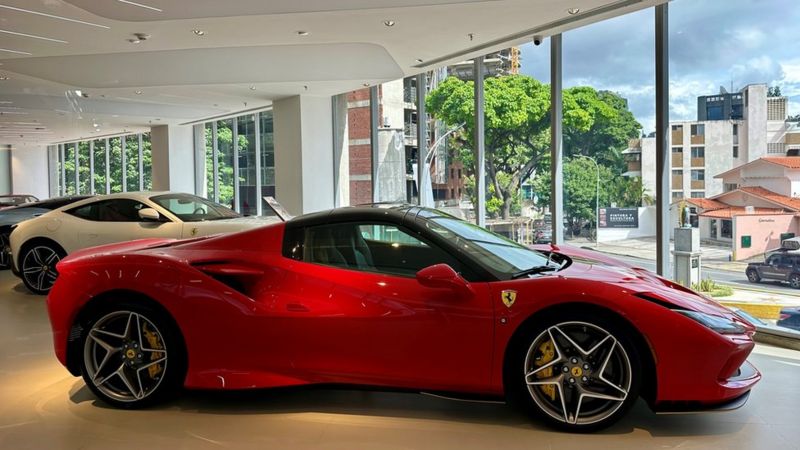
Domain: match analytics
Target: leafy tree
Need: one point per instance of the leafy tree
(795, 118)
(517, 109)
(224, 161)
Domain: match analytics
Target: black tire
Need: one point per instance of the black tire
(5, 252)
(37, 265)
(753, 276)
(167, 355)
(794, 280)
(590, 374)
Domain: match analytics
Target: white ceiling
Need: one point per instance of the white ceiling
(251, 54)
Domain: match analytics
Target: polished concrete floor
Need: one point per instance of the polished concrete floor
(43, 406)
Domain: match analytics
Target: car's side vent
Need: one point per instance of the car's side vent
(654, 298)
(240, 277)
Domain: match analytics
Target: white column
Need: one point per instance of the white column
(341, 151)
(5, 169)
(172, 149)
(27, 171)
(304, 169)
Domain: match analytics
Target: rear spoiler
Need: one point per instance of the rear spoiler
(277, 208)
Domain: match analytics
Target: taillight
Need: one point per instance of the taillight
(784, 316)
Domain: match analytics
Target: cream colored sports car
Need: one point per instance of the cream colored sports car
(38, 244)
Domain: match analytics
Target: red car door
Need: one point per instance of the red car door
(352, 311)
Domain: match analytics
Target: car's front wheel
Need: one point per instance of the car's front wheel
(132, 356)
(38, 266)
(794, 280)
(577, 372)
(752, 276)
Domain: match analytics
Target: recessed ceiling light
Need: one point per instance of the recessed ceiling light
(13, 8)
(3, 77)
(419, 60)
(34, 36)
(199, 32)
(303, 33)
(252, 88)
(389, 23)
(15, 51)
(135, 41)
(152, 8)
(574, 11)
(366, 84)
(138, 92)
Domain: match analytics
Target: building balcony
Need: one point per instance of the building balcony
(677, 182)
(634, 166)
(776, 148)
(677, 160)
(698, 162)
(698, 184)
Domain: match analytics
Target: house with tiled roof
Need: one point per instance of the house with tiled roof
(760, 206)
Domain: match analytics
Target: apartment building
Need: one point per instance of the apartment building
(731, 130)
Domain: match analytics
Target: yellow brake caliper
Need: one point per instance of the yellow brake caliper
(155, 343)
(548, 353)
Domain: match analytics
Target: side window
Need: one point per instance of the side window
(117, 210)
(378, 248)
(86, 212)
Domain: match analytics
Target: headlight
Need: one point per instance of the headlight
(719, 324)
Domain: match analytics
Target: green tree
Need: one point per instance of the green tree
(517, 129)
(774, 91)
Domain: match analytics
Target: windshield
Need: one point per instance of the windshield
(190, 208)
(501, 256)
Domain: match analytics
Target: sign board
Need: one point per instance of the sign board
(619, 218)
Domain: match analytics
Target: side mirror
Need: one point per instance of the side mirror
(442, 276)
(149, 215)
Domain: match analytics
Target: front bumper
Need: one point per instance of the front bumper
(733, 394)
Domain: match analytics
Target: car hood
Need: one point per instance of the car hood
(596, 267)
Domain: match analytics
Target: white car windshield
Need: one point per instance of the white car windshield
(190, 208)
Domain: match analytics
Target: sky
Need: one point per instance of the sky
(713, 43)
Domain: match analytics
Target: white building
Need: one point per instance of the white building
(755, 127)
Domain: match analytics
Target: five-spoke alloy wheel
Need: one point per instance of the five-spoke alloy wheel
(578, 374)
(38, 267)
(127, 357)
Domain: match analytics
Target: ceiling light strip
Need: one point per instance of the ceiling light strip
(33, 36)
(52, 16)
(532, 31)
(152, 8)
(15, 51)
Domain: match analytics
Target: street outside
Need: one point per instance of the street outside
(763, 300)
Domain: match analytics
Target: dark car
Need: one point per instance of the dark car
(790, 318)
(10, 217)
(781, 266)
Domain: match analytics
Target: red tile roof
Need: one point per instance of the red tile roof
(731, 211)
(706, 203)
(787, 202)
(792, 162)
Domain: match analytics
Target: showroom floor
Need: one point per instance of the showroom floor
(43, 406)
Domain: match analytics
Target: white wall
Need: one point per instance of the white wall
(647, 227)
(29, 171)
(304, 180)
(5, 170)
(172, 156)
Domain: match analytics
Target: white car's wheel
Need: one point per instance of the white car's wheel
(37, 266)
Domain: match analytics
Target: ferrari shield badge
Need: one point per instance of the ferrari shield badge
(194, 231)
(509, 297)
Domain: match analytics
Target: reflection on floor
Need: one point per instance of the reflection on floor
(42, 406)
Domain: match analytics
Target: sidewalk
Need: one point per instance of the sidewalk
(713, 257)
(764, 305)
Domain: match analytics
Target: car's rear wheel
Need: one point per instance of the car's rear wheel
(794, 280)
(577, 372)
(5, 252)
(132, 356)
(38, 266)
(752, 276)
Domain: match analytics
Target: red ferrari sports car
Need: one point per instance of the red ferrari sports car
(396, 297)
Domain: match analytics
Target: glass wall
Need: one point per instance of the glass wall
(238, 175)
(247, 199)
(100, 165)
(266, 157)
